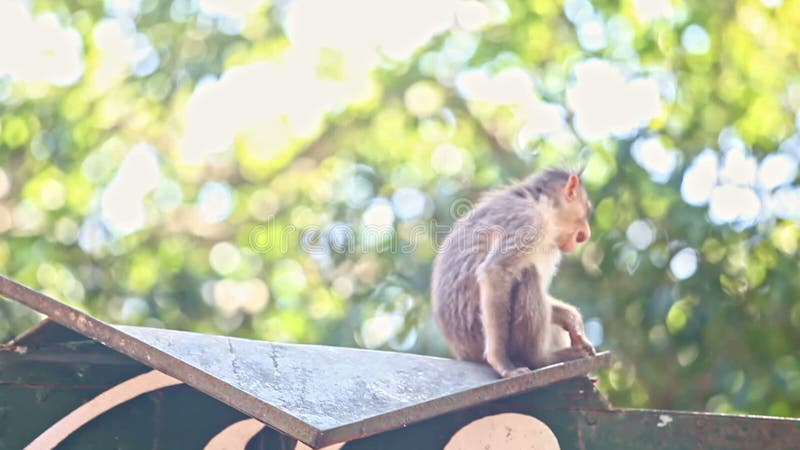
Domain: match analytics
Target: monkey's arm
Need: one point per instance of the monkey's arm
(569, 318)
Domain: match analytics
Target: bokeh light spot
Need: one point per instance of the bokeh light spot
(215, 201)
(5, 183)
(592, 34)
(42, 50)
(599, 85)
(738, 167)
(776, 170)
(652, 156)
(695, 39)
(423, 98)
(730, 203)
(472, 15)
(700, 178)
(647, 10)
(448, 159)
(376, 331)
(224, 258)
(641, 234)
(408, 203)
(684, 263)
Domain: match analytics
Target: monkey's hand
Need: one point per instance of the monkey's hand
(570, 319)
(579, 341)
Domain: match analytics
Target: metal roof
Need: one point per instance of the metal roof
(317, 394)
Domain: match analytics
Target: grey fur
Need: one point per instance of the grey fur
(547, 183)
(502, 255)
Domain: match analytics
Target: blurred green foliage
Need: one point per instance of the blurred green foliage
(722, 339)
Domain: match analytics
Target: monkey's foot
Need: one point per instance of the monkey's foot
(514, 372)
(587, 348)
(566, 354)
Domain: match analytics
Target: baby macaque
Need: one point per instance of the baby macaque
(492, 274)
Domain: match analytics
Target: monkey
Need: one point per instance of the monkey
(491, 275)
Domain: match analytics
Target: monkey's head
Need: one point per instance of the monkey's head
(569, 202)
(572, 208)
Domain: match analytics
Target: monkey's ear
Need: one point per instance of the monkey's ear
(571, 187)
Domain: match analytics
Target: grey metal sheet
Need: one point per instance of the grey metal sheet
(317, 394)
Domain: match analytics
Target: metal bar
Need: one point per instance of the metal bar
(635, 429)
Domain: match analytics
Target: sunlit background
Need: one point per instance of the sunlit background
(284, 170)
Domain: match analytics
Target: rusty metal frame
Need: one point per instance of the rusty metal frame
(123, 342)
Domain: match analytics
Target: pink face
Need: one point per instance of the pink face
(573, 216)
